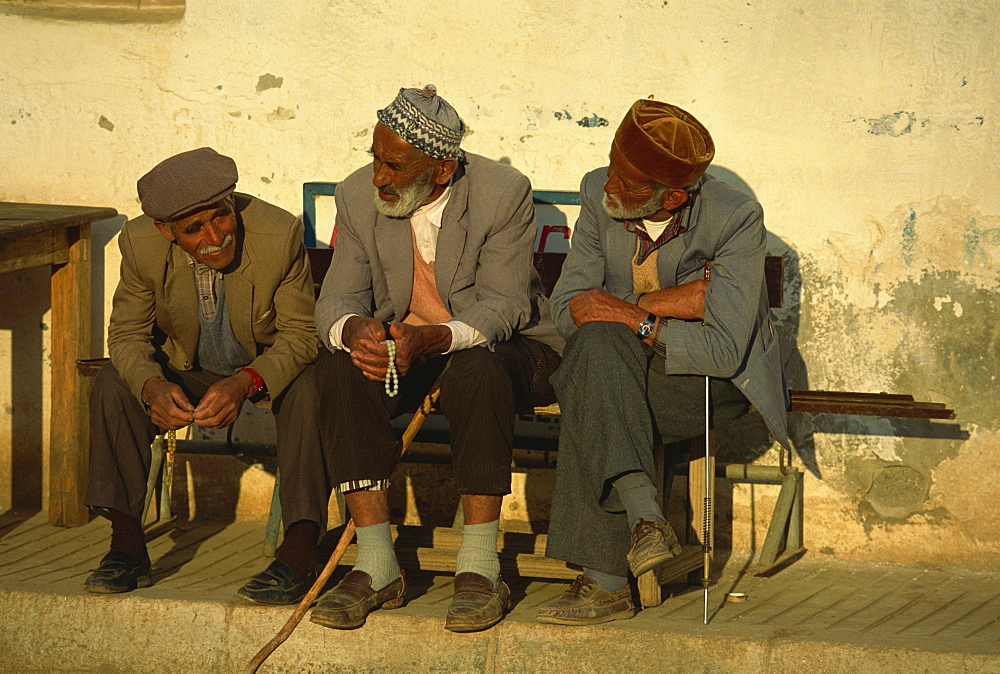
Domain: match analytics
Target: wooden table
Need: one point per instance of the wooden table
(35, 235)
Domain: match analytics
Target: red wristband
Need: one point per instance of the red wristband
(258, 381)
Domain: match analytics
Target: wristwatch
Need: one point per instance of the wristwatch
(646, 327)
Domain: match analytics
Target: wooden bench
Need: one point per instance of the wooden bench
(523, 554)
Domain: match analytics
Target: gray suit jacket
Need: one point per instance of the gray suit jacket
(483, 265)
(154, 317)
(736, 340)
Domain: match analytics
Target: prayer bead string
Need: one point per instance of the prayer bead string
(391, 377)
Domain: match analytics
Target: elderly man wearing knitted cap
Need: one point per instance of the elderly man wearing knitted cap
(645, 327)
(214, 307)
(434, 255)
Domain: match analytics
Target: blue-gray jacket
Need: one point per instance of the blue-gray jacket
(736, 340)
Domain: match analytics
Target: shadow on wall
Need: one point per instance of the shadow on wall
(102, 235)
(786, 322)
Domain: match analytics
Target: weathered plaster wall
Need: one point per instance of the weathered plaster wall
(867, 132)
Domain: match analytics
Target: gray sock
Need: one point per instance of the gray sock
(638, 495)
(376, 556)
(607, 581)
(478, 552)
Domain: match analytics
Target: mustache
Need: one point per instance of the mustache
(389, 189)
(208, 250)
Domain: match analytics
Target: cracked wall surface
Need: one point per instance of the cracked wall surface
(867, 133)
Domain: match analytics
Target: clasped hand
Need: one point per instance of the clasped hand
(170, 408)
(684, 302)
(366, 337)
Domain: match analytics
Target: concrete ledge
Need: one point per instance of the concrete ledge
(815, 615)
(77, 632)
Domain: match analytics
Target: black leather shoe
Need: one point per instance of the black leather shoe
(476, 604)
(118, 572)
(276, 585)
(347, 606)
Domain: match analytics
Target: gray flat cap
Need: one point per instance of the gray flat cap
(186, 182)
(426, 121)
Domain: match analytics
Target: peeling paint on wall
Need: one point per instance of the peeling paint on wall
(895, 124)
(908, 238)
(280, 114)
(268, 81)
(901, 123)
(592, 122)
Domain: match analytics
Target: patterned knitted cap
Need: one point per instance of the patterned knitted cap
(426, 121)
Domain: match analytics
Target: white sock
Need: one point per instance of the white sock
(376, 555)
(478, 552)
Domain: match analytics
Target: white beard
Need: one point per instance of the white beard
(410, 198)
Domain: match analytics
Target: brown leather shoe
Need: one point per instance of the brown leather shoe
(347, 606)
(587, 603)
(652, 544)
(476, 604)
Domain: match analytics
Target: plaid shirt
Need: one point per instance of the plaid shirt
(646, 243)
(206, 282)
(677, 226)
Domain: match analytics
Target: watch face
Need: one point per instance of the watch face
(645, 329)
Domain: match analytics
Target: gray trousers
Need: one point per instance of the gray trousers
(616, 402)
(121, 433)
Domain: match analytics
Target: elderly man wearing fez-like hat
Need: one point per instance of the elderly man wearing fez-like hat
(214, 307)
(646, 326)
(433, 260)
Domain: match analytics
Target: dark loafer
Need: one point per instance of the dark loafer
(586, 603)
(476, 604)
(118, 572)
(347, 606)
(276, 585)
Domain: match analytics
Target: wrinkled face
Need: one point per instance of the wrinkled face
(208, 235)
(405, 177)
(629, 194)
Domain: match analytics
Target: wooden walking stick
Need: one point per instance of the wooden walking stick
(345, 539)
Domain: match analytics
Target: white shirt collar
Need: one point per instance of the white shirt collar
(434, 211)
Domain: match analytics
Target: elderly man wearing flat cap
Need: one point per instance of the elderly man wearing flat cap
(645, 327)
(434, 255)
(214, 307)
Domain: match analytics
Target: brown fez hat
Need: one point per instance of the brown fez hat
(664, 142)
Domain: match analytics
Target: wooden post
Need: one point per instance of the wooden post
(69, 429)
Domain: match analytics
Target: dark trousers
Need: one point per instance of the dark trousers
(121, 433)
(480, 394)
(616, 402)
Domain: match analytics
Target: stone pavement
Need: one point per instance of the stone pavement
(815, 615)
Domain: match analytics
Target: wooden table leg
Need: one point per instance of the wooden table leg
(69, 429)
